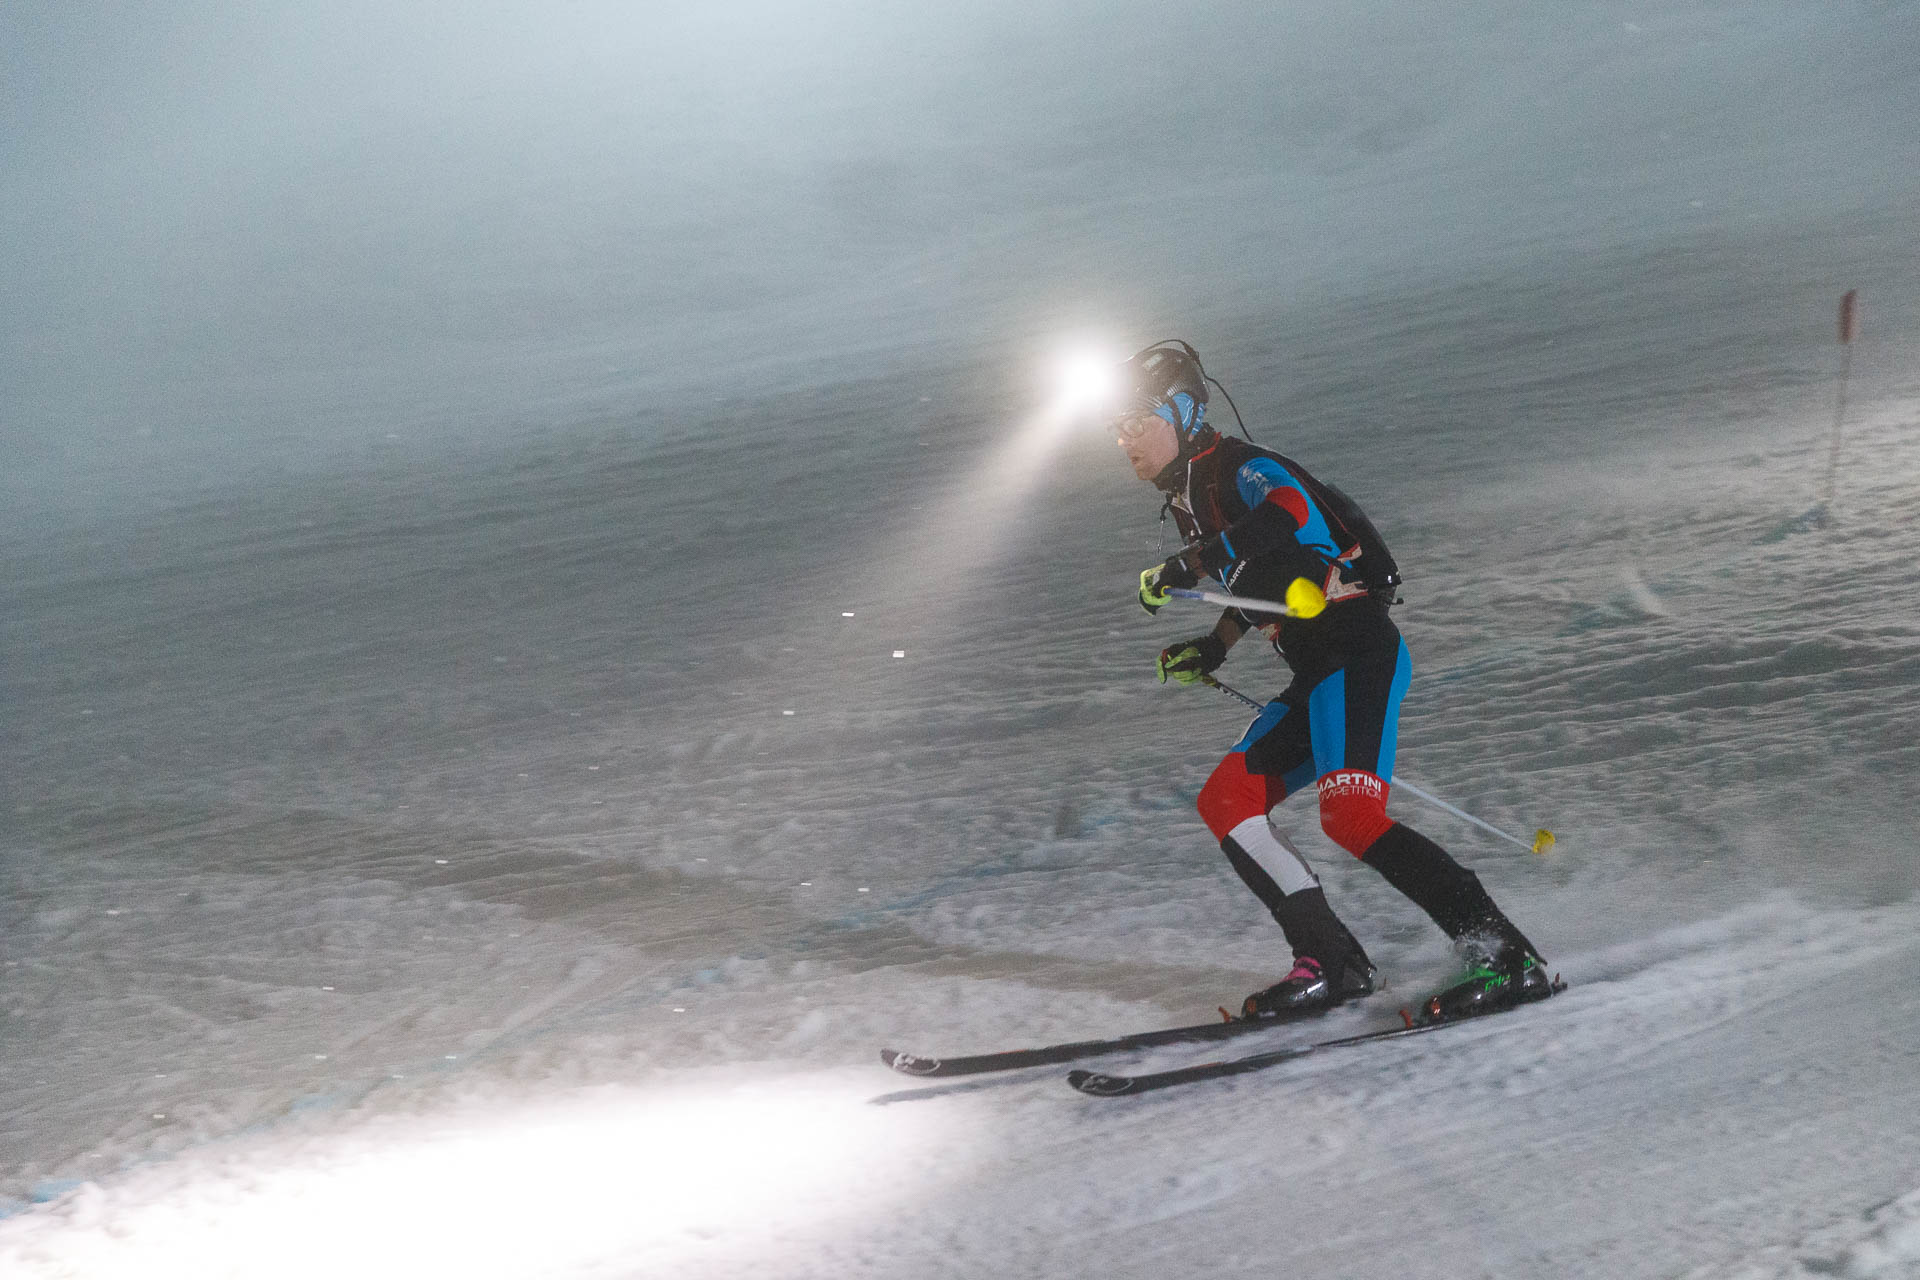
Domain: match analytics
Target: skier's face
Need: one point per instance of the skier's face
(1149, 443)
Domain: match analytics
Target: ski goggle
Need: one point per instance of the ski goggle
(1134, 424)
(1185, 415)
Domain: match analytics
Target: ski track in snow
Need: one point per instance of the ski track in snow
(1724, 1067)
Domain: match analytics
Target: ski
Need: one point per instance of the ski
(1046, 1055)
(1100, 1085)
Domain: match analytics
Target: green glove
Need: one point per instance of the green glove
(1152, 598)
(1189, 660)
(1155, 581)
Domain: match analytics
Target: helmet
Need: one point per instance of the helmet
(1167, 379)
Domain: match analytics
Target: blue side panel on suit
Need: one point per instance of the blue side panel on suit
(1327, 716)
(1271, 715)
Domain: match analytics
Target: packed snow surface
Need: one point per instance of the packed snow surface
(412, 873)
(505, 858)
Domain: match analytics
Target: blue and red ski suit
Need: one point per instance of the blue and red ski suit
(1261, 520)
(1264, 520)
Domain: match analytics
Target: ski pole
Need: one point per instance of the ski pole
(1542, 839)
(1304, 600)
(1231, 692)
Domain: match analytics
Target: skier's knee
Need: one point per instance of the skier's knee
(1231, 796)
(1353, 809)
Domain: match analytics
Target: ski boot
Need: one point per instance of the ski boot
(1307, 990)
(1506, 978)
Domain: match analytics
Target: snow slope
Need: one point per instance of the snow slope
(505, 858)
(417, 880)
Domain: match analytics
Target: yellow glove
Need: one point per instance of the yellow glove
(1189, 660)
(1175, 572)
(1152, 597)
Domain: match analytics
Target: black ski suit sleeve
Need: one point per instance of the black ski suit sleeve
(1266, 534)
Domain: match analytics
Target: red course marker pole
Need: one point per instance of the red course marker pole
(1849, 325)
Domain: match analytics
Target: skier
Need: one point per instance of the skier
(1260, 524)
